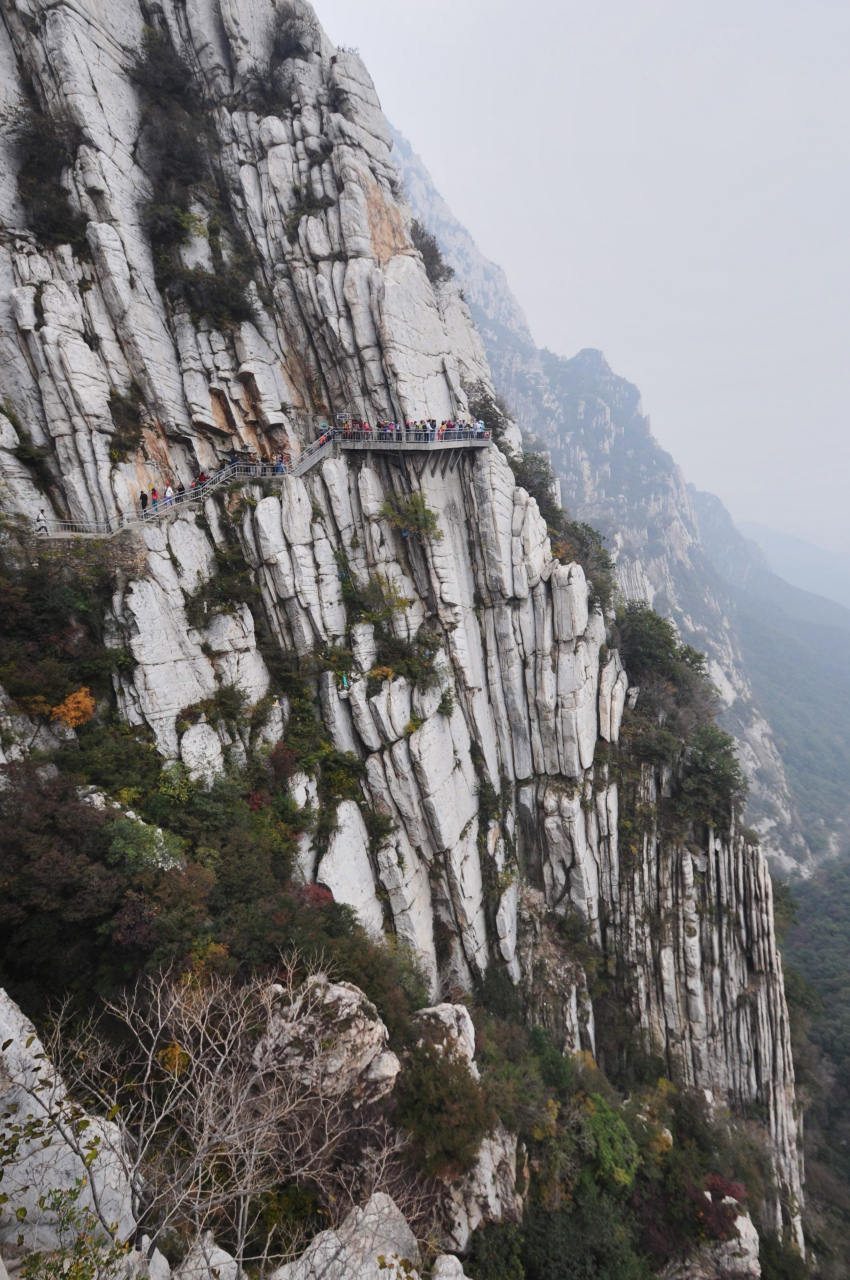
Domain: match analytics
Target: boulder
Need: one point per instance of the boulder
(332, 1033)
(486, 1194)
(447, 1267)
(30, 1085)
(373, 1243)
(448, 1027)
(205, 1261)
(736, 1259)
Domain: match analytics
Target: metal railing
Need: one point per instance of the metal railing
(421, 436)
(167, 506)
(264, 471)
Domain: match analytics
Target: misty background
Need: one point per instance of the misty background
(665, 180)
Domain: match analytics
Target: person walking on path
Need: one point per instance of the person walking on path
(41, 524)
(181, 491)
(154, 498)
(143, 501)
(169, 496)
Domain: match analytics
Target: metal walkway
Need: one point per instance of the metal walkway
(379, 441)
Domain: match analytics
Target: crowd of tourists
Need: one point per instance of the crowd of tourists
(423, 431)
(263, 464)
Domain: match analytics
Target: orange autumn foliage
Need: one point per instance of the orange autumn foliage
(77, 709)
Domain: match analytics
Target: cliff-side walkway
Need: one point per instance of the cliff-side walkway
(378, 440)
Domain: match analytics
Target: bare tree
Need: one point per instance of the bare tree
(209, 1120)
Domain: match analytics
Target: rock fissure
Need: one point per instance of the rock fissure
(480, 749)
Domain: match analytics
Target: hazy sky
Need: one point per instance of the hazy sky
(666, 180)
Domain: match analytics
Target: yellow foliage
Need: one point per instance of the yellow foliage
(78, 708)
(209, 957)
(547, 1125)
(174, 1059)
(36, 706)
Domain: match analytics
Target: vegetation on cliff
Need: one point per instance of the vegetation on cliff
(618, 1164)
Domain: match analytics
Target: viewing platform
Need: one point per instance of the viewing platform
(377, 440)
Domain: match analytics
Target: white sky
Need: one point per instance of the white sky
(666, 180)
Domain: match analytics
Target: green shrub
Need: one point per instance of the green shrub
(557, 1070)
(228, 705)
(49, 144)
(712, 785)
(615, 1152)
(571, 540)
(488, 408)
(305, 204)
(135, 847)
(53, 612)
(779, 1261)
(126, 413)
(176, 151)
(294, 34)
(447, 704)
(495, 1253)
(411, 514)
(232, 584)
(219, 295)
(116, 758)
(444, 1109)
(436, 267)
(673, 722)
(594, 1240)
(32, 455)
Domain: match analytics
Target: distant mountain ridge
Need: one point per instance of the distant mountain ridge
(776, 652)
(811, 568)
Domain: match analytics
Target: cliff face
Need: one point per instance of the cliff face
(502, 810)
(615, 476)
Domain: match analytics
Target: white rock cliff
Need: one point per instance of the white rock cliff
(344, 319)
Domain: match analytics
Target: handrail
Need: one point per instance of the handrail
(380, 438)
(426, 436)
(167, 506)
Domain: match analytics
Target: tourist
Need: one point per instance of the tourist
(181, 491)
(41, 524)
(154, 499)
(168, 496)
(143, 501)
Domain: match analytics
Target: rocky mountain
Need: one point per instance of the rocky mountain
(206, 250)
(676, 548)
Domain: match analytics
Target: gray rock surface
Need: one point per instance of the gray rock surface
(735, 1259)
(614, 475)
(30, 1086)
(373, 1243)
(345, 319)
(332, 1034)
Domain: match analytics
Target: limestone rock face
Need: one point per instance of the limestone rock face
(673, 547)
(30, 1085)
(486, 1194)
(206, 1261)
(332, 1033)
(495, 818)
(373, 1243)
(736, 1259)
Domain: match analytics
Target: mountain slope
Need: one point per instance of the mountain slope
(679, 550)
(808, 567)
(370, 706)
